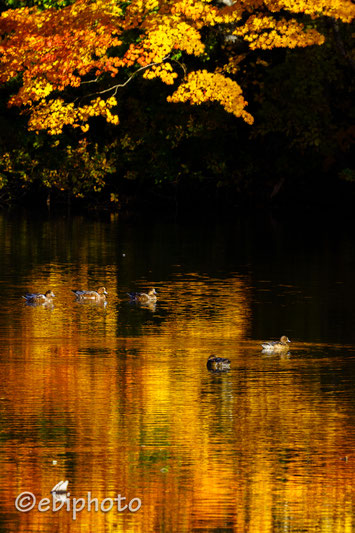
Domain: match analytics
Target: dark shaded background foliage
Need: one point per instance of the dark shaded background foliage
(171, 155)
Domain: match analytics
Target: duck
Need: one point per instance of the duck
(98, 296)
(61, 487)
(37, 298)
(60, 492)
(276, 346)
(218, 363)
(142, 297)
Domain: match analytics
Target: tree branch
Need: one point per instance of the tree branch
(120, 85)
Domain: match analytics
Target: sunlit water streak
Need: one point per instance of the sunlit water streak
(118, 398)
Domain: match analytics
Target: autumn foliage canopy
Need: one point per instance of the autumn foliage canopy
(70, 63)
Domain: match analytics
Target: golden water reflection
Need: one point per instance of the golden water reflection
(118, 400)
(246, 450)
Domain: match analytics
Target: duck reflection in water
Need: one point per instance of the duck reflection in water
(36, 299)
(218, 364)
(277, 347)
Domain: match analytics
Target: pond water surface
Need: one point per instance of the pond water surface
(117, 398)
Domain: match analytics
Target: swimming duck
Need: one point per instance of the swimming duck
(37, 298)
(218, 363)
(61, 487)
(142, 297)
(98, 296)
(276, 346)
(60, 492)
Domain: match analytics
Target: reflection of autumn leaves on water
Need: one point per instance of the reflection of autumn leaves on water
(120, 397)
(142, 415)
(136, 417)
(203, 307)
